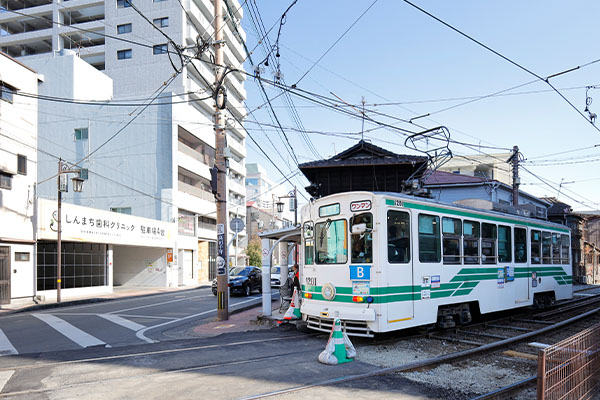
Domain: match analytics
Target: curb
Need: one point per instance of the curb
(90, 300)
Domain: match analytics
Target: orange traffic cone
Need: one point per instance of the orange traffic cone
(294, 311)
(339, 348)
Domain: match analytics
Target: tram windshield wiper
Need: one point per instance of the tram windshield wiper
(324, 231)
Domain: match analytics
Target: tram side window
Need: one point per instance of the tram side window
(398, 228)
(546, 248)
(429, 238)
(471, 242)
(555, 248)
(309, 244)
(488, 243)
(536, 242)
(451, 235)
(362, 242)
(332, 242)
(564, 249)
(520, 245)
(504, 244)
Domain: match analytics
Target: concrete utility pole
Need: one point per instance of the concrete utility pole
(220, 144)
(516, 181)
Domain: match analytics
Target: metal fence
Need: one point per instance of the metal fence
(570, 369)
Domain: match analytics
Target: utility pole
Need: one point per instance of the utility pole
(514, 159)
(220, 162)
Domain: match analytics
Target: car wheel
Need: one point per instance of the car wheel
(214, 292)
(247, 290)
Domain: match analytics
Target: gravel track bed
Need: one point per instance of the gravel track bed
(470, 377)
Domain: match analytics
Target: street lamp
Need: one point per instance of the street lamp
(290, 195)
(64, 168)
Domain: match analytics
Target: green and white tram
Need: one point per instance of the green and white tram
(386, 261)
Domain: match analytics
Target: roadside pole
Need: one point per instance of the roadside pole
(220, 144)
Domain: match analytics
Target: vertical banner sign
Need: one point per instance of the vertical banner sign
(221, 264)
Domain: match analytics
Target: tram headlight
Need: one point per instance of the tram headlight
(328, 291)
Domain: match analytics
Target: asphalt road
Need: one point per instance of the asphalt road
(115, 323)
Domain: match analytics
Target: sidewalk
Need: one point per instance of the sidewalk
(119, 292)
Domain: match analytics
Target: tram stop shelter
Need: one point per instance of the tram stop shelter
(290, 235)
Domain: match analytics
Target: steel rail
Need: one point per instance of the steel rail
(507, 390)
(429, 362)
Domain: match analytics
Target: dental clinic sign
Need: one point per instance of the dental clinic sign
(84, 224)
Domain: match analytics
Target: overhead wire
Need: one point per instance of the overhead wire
(546, 80)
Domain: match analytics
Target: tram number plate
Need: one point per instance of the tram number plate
(311, 281)
(360, 205)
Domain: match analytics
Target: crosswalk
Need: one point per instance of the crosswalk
(63, 333)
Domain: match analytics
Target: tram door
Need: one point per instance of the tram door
(522, 271)
(400, 273)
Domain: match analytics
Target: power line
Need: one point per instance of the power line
(546, 80)
(336, 42)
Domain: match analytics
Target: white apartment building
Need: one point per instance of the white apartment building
(18, 175)
(168, 150)
(488, 166)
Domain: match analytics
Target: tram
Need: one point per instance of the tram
(385, 261)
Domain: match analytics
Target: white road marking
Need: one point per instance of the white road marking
(73, 333)
(145, 316)
(134, 326)
(6, 347)
(140, 334)
(5, 377)
(153, 304)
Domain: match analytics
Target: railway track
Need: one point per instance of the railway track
(490, 337)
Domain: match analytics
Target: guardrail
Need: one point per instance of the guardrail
(570, 369)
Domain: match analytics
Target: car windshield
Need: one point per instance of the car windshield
(244, 271)
(275, 270)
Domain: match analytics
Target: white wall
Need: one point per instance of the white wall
(139, 266)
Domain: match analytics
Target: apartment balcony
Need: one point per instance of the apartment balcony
(191, 160)
(238, 167)
(26, 38)
(95, 26)
(237, 107)
(236, 146)
(33, 12)
(196, 192)
(73, 5)
(236, 187)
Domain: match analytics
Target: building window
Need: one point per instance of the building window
(161, 22)
(398, 232)
(5, 181)
(362, 243)
(121, 210)
(83, 265)
(429, 238)
(125, 28)
(123, 3)
(536, 242)
(81, 133)
(22, 256)
(7, 92)
(160, 49)
(21, 164)
(471, 242)
(520, 245)
(488, 243)
(451, 237)
(332, 242)
(124, 54)
(504, 244)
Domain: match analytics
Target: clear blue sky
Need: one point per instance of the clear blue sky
(396, 53)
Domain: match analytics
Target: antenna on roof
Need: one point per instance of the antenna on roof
(362, 129)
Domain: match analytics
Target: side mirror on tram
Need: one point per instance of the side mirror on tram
(359, 229)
